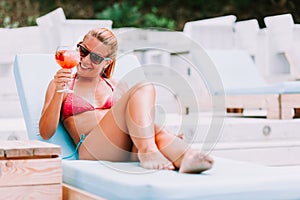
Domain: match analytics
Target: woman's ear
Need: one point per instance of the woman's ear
(108, 63)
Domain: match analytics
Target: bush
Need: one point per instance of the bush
(153, 20)
(128, 15)
(122, 14)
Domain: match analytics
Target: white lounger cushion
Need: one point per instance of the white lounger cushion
(239, 75)
(227, 180)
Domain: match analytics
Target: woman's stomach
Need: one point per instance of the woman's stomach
(83, 123)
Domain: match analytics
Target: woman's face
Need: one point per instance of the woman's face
(86, 67)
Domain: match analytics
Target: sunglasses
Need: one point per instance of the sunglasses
(95, 58)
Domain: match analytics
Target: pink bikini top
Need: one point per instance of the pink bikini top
(75, 104)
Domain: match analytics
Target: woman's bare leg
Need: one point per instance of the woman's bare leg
(186, 159)
(156, 148)
(140, 123)
(173, 147)
(130, 121)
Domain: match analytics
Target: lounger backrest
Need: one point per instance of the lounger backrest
(280, 31)
(246, 33)
(236, 69)
(212, 33)
(61, 31)
(48, 26)
(213, 36)
(33, 73)
(224, 20)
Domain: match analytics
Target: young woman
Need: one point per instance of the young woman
(116, 129)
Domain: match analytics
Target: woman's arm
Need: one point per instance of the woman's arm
(52, 105)
(51, 112)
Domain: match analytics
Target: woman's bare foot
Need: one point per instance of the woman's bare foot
(195, 162)
(154, 160)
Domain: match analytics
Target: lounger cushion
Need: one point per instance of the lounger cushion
(240, 75)
(290, 87)
(227, 180)
(236, 69)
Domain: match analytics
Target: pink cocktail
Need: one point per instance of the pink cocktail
(67, 58)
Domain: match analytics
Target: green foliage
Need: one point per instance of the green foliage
(241, 4)
(127, 15)
(31, 21)
(5, 20)
(7, 23)
(122, 14)
(153, 20)
(14, 13)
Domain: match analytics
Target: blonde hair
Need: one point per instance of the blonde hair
(105, 36)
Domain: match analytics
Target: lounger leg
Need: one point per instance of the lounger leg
(288, 103)
(287, 112)
(273, 113)
(272, 105)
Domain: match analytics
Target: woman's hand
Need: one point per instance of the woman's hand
(62, 77)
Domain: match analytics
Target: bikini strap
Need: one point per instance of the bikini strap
(108, 83)
(82, 137)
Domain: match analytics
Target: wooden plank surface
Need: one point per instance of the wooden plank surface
(269, 102)
(37, 192)
(72, 193)
(30, 171)
(27, 148)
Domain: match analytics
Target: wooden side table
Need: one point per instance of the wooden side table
(30, 170)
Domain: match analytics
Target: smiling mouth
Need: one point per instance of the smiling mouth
(84, 67)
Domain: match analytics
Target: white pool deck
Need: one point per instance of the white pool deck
(254, 139)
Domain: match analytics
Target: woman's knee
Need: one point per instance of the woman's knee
(144, 89)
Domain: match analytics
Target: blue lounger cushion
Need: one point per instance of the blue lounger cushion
(227, 180)
(32, 74)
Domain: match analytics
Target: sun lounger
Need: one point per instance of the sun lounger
(57, 30)
(246, 33)
(249, 37)
(212, 33)
(245, 87)
(279, 30)
(284, 47)
(115, 180)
